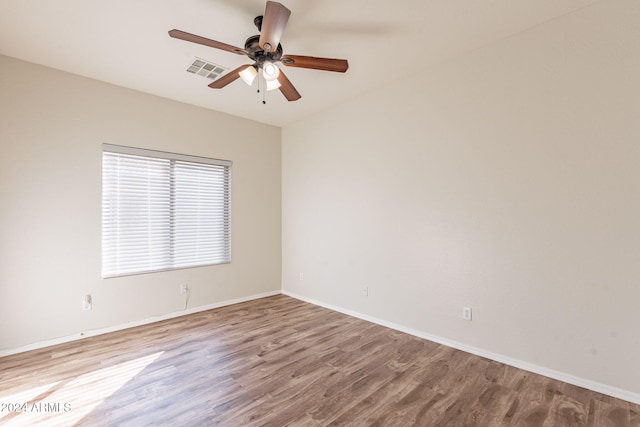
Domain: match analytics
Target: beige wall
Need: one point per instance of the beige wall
(507, 180)
(52, 125)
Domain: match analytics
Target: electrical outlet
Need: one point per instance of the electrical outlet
(86, 303)
(301, 276)
(365, 291)
(466, 313)
(184, 288)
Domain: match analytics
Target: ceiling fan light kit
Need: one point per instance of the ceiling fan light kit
(266, 51)
(248, 75)
(273, 85)
(270, 71)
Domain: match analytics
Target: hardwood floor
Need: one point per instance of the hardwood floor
(278, 361)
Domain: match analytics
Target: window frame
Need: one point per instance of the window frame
(173, 158)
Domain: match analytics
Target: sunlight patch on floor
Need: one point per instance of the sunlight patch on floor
(68, 401)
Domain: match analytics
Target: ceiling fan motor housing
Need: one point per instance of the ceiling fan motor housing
(258, 54)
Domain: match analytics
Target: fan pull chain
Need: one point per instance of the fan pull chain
(264, 89)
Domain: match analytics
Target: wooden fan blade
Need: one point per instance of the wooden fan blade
(287, 89)
(177, 34)
(231, 76)
(324, 64)
(274, 21)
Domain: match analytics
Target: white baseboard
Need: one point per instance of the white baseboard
(550, 373)
(557, 375)
(94, 332)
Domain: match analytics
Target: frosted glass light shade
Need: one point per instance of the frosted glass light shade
(273, 84)
(270, 71)
(248, 75)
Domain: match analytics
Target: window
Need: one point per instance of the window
(162, 211)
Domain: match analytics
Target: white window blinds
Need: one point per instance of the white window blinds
(163, 211)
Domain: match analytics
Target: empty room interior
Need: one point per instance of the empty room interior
(433, 219)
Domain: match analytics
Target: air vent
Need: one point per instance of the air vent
(206, 69)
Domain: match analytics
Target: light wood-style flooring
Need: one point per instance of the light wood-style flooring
(279, 362)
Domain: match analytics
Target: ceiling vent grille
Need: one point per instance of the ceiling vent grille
(206, 69)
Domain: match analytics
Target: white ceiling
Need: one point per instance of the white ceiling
(125, 42)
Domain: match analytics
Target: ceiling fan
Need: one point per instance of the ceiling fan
(266, 51)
